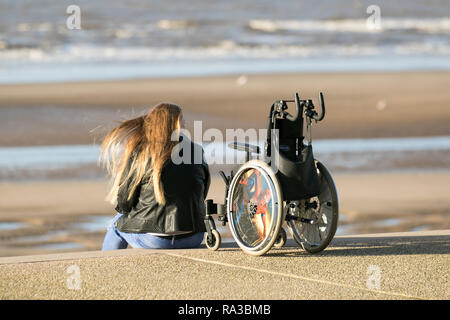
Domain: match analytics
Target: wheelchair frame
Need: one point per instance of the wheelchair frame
(295, 168)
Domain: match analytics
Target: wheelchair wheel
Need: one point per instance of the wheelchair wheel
(255, 207)
(213, 243)
(317, 236)
(281, 239)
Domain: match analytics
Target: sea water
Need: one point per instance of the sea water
(424, 153)
(157, 38)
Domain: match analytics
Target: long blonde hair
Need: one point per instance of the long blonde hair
(137, 143)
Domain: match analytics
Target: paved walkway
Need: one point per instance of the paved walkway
(383, 266)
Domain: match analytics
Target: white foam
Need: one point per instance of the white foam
(439, 25)
(174, 24)
(223, 50)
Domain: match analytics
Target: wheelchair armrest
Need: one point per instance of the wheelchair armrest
(244, 147)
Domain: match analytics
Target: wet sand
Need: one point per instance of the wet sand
(369, 203)
(358, 104)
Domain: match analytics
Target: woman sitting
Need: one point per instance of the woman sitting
(160, 204)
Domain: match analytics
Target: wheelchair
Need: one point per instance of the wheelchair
(282, 184)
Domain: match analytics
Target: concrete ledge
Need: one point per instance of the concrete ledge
(74, 256)
(399, 234)
(227, 244)
(411, 265)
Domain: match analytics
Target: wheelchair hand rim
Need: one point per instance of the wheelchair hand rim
(277, 209)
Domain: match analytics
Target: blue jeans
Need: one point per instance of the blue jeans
(115, 239)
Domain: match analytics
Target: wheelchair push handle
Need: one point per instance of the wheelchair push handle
(298, 107)
(279, 108)
(311, 113)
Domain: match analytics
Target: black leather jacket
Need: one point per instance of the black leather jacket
(185, 188)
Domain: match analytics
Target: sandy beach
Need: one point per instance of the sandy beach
(358, 105)
(389, 104)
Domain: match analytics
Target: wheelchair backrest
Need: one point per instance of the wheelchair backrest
(290, 137)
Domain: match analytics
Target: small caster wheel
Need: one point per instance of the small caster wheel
(214, 243)
(281, 239)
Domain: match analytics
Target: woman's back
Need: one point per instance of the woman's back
(185, 188)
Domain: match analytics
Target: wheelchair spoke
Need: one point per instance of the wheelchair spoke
(314, 236)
